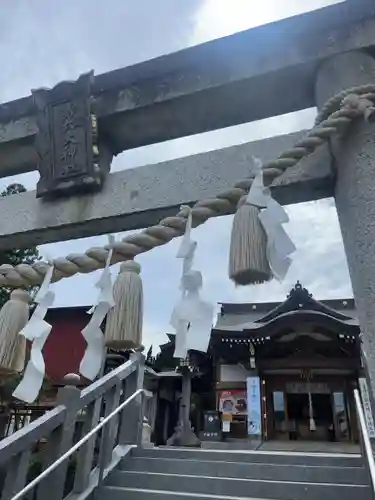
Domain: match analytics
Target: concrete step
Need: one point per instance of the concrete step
(114, 493)
(241, 488)
(237, 470)
(285, 458)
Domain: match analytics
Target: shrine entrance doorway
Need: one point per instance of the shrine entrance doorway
(318, 410)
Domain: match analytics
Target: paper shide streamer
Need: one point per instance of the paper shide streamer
(191, 317)
(272, 216)
(36, 331)
(93, 357)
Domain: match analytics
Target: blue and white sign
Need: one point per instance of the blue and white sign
(254, 410)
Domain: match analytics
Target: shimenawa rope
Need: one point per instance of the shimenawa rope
(333, 119)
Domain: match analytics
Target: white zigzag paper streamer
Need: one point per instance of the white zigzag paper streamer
(93, 357)
(191, 317)
(279, 245)
(37, 331)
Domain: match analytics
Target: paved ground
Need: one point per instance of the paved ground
(310, 447)
(284, 446)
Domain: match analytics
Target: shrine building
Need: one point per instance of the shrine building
(274, 371)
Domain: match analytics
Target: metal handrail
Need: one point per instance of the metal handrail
(365, 439)
(75, 447)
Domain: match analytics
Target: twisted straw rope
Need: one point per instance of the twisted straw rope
(332, 120)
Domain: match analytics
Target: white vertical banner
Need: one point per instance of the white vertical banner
(254, 408)
(367, 407)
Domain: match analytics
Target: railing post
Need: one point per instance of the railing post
(87, 452)
(365, 442)
(60, 441)
(16, 475)
(131, 419)
(108, 434)
(146, 420)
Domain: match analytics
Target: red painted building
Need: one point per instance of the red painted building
(65, 345)
(62, 354)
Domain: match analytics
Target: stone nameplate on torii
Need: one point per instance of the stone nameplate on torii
(66, 141)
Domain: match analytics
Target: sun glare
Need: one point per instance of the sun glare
(218, 18)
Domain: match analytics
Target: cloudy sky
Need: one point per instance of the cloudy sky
(45, 41)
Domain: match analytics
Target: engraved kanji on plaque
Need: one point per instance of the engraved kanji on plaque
(67, 139)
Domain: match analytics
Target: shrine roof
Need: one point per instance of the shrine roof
(64, 310)
(299, 307)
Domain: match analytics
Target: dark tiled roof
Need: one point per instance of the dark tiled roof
(298, 295)
(257, 316)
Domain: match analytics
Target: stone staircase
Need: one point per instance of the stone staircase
(180, 474)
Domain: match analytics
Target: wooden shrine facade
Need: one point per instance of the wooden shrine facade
(306, 355)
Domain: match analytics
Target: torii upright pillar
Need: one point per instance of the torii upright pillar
(353, 160)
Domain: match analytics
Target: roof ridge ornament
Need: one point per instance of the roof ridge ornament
(300, 292)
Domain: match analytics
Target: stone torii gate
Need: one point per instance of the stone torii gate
(71, 132)
(274, 69)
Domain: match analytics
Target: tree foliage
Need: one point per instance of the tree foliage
(16, 256)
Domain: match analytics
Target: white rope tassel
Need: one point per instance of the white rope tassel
(123, 328)
(191, 317)
(14, 315)
(37, 331)
(248, 263)
(92, 360)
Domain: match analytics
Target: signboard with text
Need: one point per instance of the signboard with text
(254, 409)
